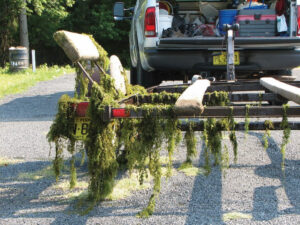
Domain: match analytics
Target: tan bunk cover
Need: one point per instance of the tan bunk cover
(290, 92)
(77, 47)
(117, 72)
(190, 102)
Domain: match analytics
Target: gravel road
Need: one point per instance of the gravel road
(253, 191)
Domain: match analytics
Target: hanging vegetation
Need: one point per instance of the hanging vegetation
(213, 141)
(100, 146)
(191, 142)
(247, 120)
(61, 133)
(142, 138)
(138, 140)
(157, 98)
(212, 134)
(268, 127)
(232, 135)
(217, 98)
(173, 136)
(286, 133)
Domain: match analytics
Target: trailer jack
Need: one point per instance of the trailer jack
(229, 38)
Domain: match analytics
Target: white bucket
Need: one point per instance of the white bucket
(165, 22)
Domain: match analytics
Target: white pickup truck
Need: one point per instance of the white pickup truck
(173, 39)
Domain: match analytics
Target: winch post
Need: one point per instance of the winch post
(230, 76)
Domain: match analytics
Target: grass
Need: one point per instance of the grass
(126, 186)
(236, 216)
(12, 83)
(164, 172)
(189, 170)
(71, 194)
(7, 162)
(65, 185)
(46, 172)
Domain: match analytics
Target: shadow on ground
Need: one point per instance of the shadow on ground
(206, 200)
(265, 201)
(25, 193)
(22, 197)
(35, 108)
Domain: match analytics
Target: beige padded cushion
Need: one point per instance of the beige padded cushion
(117, 72)
(290, 92)
(77, 47)
(190, 102)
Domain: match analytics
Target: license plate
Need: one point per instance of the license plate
(81, 127)
(221, 60)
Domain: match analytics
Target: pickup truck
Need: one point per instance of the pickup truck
(165, 45)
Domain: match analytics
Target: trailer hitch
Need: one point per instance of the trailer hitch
(230, 35)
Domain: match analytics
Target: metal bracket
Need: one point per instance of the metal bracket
(106, 116)
(85, 72)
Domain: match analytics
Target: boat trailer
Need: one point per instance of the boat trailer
(253, 98)
(260, 98)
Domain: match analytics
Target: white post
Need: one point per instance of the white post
(33, 60)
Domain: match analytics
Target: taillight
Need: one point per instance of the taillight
(120, 113)
(298, 20)
(150, 23)
(81, 108)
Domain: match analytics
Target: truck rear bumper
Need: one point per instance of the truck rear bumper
(240, 42)
(196, 60)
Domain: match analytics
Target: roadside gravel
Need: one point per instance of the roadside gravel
(255, 187)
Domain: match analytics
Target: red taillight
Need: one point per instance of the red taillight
(120, 113)
(298, 20)
(150, 23)
(81, 108)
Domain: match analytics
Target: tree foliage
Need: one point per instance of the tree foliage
(47, 16)
(9, 10)
(44, 19)
(96, 18)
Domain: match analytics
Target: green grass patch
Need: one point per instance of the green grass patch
(236, 216)
(78, 191)
(12, 83)
(126, 186)
(164, 172)
(7, 162)
(191, 170)
(65, 185)
(46, 172)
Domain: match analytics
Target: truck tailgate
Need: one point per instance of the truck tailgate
(218, 43)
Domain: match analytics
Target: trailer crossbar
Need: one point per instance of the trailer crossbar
(233, 97)
(258, 126)
(209, 112)
(220, 86)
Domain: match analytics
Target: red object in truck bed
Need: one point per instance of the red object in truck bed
(256, 24)
(255, 17)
